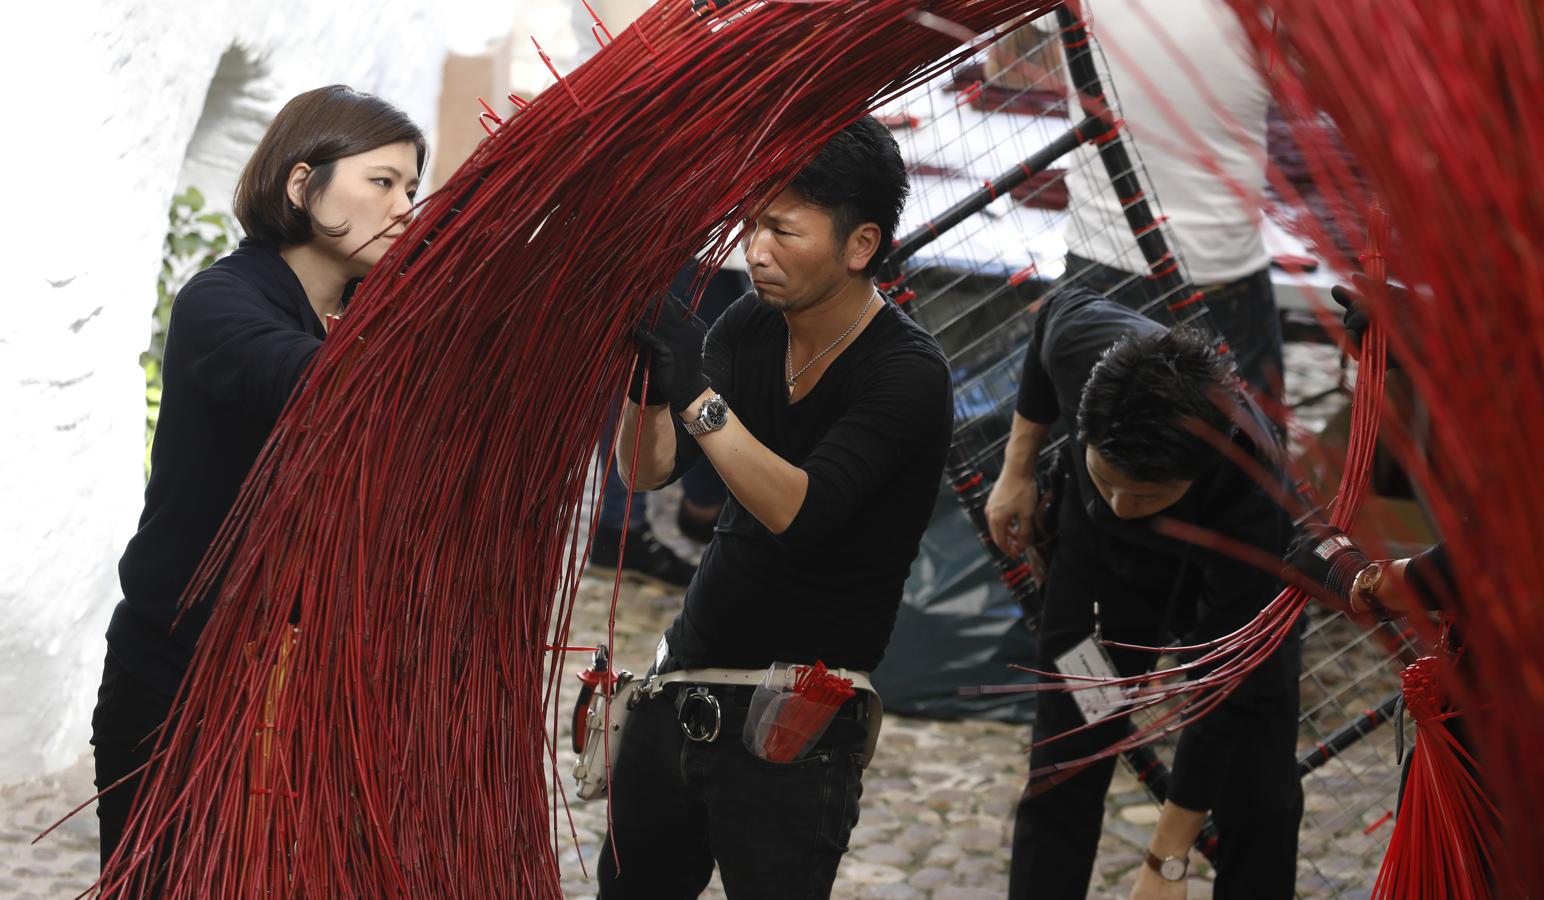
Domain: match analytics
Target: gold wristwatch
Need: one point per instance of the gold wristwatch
(1170, 868)
(1365, 586)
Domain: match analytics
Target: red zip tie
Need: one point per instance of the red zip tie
(990, 188)
(1151, 226)
(1115, 129)
(1023, 274)
(1127, 201)
(1181, 304)
(1376, 825)
(643, 38)
(488, 115)
(561, 80)
(968, 483)
(598, 24)
(905, 297)
(1173, 266)
(969, 94)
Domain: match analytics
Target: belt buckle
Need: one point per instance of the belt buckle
(690, 718)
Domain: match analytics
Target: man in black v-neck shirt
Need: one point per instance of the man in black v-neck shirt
(828, 413)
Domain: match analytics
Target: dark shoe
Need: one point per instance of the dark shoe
(699, 530)
(644, 558)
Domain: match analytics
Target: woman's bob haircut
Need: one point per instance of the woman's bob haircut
(317, 128)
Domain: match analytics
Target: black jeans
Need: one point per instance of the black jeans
(1260, 802)
(775, 830)
(123, 726)
(1244, 310)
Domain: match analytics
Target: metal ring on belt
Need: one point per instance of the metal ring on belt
(703, 695)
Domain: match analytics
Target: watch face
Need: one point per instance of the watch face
(1369, 578)
(715, 412)
(1173, 868)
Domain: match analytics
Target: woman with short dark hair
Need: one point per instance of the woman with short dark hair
(328, 189)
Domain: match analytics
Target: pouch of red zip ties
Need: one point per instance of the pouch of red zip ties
(791, 709)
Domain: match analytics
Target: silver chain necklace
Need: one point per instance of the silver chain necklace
(793, 380)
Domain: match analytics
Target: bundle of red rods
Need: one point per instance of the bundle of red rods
(1442, 105)
(1445, 839)
(415, 507)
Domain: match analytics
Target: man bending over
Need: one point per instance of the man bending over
(1136, 399)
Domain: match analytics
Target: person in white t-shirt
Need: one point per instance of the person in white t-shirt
(1180, 75)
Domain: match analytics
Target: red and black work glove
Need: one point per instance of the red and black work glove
(1352, 298)
(670, 351)
(1325, 556)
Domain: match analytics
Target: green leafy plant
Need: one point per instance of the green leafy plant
(194, 240)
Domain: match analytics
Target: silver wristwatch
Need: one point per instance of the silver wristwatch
(711, 416)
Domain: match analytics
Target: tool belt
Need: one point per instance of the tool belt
(711, 703)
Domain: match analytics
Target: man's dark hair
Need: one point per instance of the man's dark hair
(858, 177)
(1148, 400)
(317, 128)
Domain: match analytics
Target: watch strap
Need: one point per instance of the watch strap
(699, 425)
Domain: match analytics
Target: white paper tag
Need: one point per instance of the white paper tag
(1089, 660)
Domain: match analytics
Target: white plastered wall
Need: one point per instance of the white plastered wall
(102, 105)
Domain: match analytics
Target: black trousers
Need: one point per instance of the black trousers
(123, 726)
(1260, 801)
(775, 830)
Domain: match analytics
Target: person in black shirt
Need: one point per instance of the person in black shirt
(1132, 396)
(327, 190)
(828, 413)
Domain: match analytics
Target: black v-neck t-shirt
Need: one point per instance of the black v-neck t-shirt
(872, 436)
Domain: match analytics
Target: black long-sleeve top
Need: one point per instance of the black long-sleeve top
(1221, 593)
(871, 436)
(1430, 574)
(241, 336)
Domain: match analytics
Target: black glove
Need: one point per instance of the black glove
(1324, 555)
(671, 353)
(1352, 300)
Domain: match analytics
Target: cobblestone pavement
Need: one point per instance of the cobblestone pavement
(936, 810)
